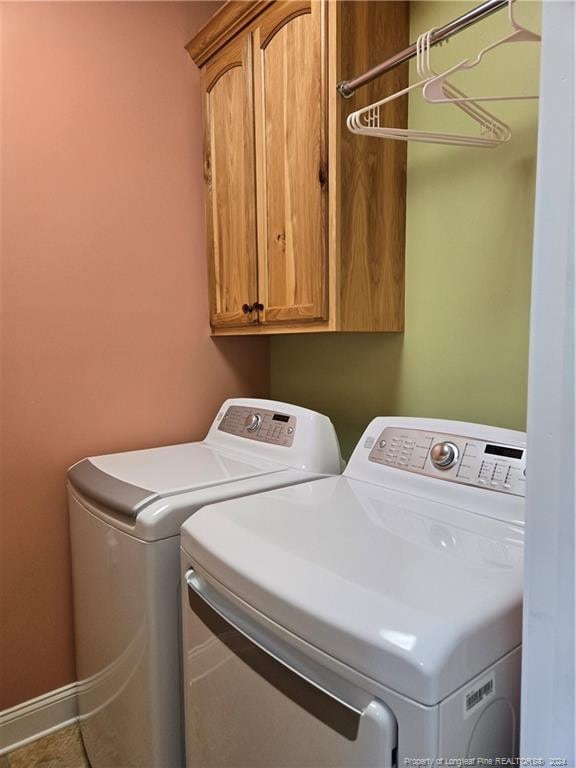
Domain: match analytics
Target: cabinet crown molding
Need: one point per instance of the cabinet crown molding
(223, 26)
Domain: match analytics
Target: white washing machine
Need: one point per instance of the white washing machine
(371, 619)
(126, 510)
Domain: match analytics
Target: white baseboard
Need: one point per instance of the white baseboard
(38, 717)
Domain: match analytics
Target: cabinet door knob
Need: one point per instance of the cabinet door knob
(247, 308)
(258, 307)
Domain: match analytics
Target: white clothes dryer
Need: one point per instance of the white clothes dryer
(126, 510)
(368, 620)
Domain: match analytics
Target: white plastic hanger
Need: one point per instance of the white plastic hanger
(489, 123)
(367, 121)
(434, 90)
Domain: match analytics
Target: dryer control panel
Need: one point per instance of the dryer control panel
(259, 424)
(455, 458)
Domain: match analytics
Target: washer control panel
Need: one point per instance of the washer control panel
(259, 424)
(455, 458)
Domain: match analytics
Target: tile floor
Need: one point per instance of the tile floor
(62, 749)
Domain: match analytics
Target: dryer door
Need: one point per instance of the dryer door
(251, 700)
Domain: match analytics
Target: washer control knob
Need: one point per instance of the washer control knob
(444, 455)
(252, 422)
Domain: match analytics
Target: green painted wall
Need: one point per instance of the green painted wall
(464, 352)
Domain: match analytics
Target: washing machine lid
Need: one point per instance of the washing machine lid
(128, 482)
(413, 594)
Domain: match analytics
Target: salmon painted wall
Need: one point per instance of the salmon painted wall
(105, 342)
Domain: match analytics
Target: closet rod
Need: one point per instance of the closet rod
(348, 87)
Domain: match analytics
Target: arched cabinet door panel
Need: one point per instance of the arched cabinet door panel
(229, 171)
(292, 178)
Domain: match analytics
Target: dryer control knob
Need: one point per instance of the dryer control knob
(444, 455)
(252, 422)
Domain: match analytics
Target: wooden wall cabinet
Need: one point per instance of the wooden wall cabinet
(305, 219)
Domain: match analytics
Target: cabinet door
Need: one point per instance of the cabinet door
(229, 171)
(292, 179)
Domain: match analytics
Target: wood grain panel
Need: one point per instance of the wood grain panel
(229, 172)
(372, 172)
(274, 329)
(292, 177)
